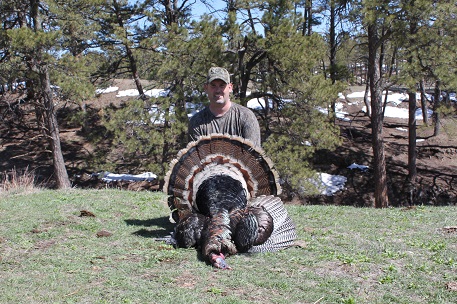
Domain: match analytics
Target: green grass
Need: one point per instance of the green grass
(49, 254)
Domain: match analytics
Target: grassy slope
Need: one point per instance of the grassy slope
(346, 255)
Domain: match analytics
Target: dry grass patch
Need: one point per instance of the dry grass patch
(16, 181)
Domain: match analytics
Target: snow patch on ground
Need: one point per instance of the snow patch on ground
(330, 184)
(107, 90)
(111, 177)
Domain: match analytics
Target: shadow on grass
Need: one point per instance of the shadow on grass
(161, 222)
(158, 234)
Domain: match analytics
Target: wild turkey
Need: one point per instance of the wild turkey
(223, 198)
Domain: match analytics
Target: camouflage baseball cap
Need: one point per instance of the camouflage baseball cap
(218, 73)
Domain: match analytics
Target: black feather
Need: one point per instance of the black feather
(220, 192)
(188, 231)
(246, 233)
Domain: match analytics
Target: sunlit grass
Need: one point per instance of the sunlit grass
(51, 254)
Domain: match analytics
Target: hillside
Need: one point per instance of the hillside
(21, 147)
(436, 157)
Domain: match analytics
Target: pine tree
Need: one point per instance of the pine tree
(28, 39)
(436, 51)
(48, 41)
(277, 63)
(420, 34)
(176, 59)
(122, 26)
(377, 20)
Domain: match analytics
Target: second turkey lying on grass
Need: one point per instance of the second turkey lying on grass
(223, 196)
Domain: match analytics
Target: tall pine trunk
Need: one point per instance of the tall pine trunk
(423, 102)
(412, 154)
(332, 38)
(308, 18)
(52, 130)
(45, 103)
(436, 105)
(379, 161)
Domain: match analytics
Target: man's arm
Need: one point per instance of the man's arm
(251, 128)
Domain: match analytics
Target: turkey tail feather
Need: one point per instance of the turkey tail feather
(217, 154)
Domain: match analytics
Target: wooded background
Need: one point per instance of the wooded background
(296, 55)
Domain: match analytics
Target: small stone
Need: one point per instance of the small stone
(104, 233)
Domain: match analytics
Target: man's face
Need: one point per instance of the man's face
(218, 91)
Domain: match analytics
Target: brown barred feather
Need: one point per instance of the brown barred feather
(217, 237)
(257, 169)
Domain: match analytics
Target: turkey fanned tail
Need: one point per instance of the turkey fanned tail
(223, 196)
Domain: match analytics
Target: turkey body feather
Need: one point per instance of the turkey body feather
(223, 196)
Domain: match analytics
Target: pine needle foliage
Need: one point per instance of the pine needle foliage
(303, 125)
(152, 132)
(302, 129)
(145, 134)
